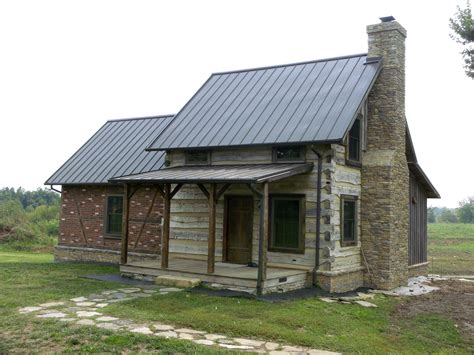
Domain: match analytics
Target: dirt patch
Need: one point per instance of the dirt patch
(453, 300)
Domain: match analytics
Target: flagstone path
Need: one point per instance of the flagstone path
(86, 311)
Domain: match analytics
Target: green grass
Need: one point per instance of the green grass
(451, 248)
(29, 279)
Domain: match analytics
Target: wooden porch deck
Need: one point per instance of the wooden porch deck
(226, 275)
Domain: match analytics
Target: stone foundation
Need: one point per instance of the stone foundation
(418, 269)
(341, 280)
(105, 256)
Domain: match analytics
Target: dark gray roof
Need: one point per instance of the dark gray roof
(252, 173)
(295, 103)
(117, 148)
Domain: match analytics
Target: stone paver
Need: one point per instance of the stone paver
(51, 304)
(83, 311)
(365, 304)
(52, 315)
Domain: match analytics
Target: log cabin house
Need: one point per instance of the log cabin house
(268, 179)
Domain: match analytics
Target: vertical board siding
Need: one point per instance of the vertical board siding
(418, 239)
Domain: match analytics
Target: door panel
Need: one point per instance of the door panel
(239, 229)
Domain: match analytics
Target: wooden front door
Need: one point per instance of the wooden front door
(238, 231)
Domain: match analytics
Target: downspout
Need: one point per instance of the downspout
(318, 214)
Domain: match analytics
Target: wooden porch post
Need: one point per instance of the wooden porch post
(125, 215)
(166, 226)
(211, 240)
(263, 240)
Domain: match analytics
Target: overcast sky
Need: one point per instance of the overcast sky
(68, 66)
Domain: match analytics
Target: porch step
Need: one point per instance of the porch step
(177, 281)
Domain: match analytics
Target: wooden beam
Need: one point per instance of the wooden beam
(125, 218)
(254, 190)
(175, 190)
(204, 190)
(79, 216)
(165, 247)
(132, 192)
(159, 188)
(221, 191)
(211, 240)
(263, 240)
(146, 218)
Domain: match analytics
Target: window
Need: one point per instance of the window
(287, 228)
(349, 220)
(354, 142)
(290, 153)
(197, 157)
(113, 223)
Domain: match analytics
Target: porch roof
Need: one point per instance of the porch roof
(219, 174)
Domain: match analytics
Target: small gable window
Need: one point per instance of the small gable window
(113, 223)
(354, 141)
(287, 227)
(349, 220)
(288, 153)
(197, 157)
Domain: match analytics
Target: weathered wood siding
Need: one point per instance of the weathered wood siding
(418, 238)
(189, 209)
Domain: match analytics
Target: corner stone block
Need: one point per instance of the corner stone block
(177, 281)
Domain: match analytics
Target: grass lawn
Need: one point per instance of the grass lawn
(451, 248)
(28, 279)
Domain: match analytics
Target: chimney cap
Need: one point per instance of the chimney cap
(387, 19)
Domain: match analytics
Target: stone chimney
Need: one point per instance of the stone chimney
(385, 176)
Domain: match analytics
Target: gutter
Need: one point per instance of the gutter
(318, 214)
(53, 189)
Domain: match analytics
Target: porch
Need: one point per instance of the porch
(226, 275)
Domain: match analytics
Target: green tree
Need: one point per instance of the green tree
(462, 25)
(431, 215)
(465, 212)
(447, 216)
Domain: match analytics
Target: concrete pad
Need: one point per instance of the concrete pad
(177, 281)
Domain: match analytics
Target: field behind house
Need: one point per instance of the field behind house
(451, 248)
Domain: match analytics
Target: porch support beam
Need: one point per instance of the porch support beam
(211, 240)
(204, 190)
(166, 227)
(263, 240)
(125, 216)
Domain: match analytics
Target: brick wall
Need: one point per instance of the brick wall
(87, 204)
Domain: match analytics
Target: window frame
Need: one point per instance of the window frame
(301, 219)
(301, 149)
(354, 242)
(187, 153)
(107, 234)
(349, 160)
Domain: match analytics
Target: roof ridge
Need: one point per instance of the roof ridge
(140, 118)
(290, 64)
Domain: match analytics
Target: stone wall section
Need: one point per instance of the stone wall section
(83, 213)
(385, 176)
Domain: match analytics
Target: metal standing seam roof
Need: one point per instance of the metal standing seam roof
(250, 173)
(295, 103)
(117, 148)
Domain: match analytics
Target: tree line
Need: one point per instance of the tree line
(462, 214)
(28, 218)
